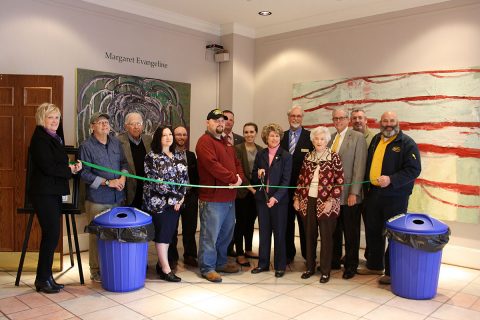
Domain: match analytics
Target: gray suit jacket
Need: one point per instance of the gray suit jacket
(131, 186)
(353, 153)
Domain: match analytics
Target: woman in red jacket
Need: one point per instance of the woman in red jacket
(317, 199)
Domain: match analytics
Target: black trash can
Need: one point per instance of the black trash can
(416, 243)
(123, 234)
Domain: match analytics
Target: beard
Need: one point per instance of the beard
(295, 125)
(388, 134)
(219, 130)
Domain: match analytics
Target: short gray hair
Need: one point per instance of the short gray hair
(127, 117)
(318, 131)
(295, 107)
(347, 114)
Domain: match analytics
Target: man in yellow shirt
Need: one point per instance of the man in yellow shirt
(393, 164)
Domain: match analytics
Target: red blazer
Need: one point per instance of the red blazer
(330, 179)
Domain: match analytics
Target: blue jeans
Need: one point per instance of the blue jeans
(217, 221)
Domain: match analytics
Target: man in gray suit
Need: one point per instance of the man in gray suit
(352, 148)
(135, 145)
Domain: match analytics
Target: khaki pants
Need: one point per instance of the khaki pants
(92, 209)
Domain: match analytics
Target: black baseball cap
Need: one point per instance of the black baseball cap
(216, 114)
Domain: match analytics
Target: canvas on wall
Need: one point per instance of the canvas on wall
(160, 102)
(439, 109)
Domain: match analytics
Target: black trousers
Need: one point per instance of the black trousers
(189, 216)
(348, 226)
(245, 215)
(272, 220)
(378, 210)
(48, 209)
(290, 232)
(326, 228)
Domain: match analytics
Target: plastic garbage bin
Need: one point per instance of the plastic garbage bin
(123, 234)
(416, 243)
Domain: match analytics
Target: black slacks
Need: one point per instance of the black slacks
(348, 223)
(272, 220)
(378, 210)
(189, 216)
(48, 209)
(290, 230)
(312, 227)
(245, 215)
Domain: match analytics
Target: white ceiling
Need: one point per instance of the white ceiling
(241, 16)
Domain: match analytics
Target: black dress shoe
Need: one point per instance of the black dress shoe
(243, 264)
(258, 270)
(279, 273)
(324, 278)
(348, 274)
(46, 287)
(170, 277)
(54, 284)
(307, 274)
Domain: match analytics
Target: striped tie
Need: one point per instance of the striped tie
(292, 145)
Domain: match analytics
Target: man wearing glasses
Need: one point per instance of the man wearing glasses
(135, 145)
(351, 146)
(104, 190)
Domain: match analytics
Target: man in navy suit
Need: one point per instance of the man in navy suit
(297, 142)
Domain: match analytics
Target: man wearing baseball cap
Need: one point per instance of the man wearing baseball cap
(104, 189)
(217, 166)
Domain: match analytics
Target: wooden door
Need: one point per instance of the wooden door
(20, 95)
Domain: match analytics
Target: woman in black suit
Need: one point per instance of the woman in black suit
(49, 176)
(273, 165)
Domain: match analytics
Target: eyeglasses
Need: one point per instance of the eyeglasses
(339, 118)
(102, 123)
(136, 124)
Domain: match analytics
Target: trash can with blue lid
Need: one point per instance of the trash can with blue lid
(416, 243)
(122, 237)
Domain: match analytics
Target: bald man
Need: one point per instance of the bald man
(393, 164)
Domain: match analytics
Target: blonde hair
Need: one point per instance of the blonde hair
(269, 128)
(43, 111)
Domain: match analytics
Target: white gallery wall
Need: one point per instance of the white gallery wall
(447, 38)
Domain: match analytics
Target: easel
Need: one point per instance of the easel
(69, 209)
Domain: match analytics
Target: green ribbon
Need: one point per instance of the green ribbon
(129, 175)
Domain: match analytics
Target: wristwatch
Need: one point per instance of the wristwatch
(107, 182)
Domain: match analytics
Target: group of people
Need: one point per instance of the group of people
(328, 181)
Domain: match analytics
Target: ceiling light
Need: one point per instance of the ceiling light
(265, 13)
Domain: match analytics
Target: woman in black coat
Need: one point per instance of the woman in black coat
(49, 175)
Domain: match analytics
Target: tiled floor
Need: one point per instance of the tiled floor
(240, 296)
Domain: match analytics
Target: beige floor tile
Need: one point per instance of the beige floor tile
(378, 295)
(252, 294)
(34, 299)
(154, 305)
(87, 304)
(6, 277)
(35, 312)
(11, 305)
(473, 289)
(322, 312)
(117, 313)
(352, 305)
(80, 291)
(10, 290)
(222, 288)
(220, 306)
(463, 300)
(443, 295)
(279, 285)
(190, 294)
(160, 286)
(182, 313)
(449, 312)
(476, 305)
(425, 307)
(337, 285)
(392, 313)
(313, 294)
(248, 277)
(287, 306)
(125, 297)
(255, 313)
(58, 315)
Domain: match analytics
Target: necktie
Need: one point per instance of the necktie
(335, 143)
(230, 140)
(293, 144)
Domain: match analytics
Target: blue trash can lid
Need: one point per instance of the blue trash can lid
(414, 223)
(122, 217)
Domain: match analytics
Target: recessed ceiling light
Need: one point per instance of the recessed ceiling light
(265, 13)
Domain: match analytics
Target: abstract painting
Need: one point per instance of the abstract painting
(439, 109)
(160, 102)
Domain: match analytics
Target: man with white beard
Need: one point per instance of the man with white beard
(393, 164)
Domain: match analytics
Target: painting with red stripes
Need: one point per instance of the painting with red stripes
(439, 109)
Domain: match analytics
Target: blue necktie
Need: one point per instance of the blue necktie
(293, 144)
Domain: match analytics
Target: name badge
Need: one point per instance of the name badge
(304, 150)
